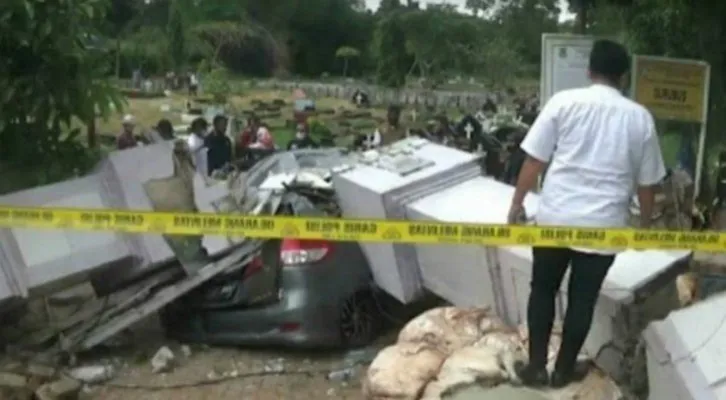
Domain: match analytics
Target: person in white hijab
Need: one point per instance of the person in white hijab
(195, 142)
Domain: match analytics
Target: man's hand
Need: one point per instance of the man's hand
(517, 214)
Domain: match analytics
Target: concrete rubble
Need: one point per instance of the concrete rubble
(19, 381)
(163, 360)
(93, 374)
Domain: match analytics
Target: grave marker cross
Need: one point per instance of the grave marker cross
(469, 129)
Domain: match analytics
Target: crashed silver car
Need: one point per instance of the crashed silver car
(217, 289)
(294, 292)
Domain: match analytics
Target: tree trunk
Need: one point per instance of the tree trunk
(118, 58)
(217, 50)
(345, 67)
(91, 133)
(581, 26)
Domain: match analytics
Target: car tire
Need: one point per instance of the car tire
(360, 319)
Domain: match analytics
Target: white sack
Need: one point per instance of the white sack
(450, 328)
(467, 366)
(402, 371)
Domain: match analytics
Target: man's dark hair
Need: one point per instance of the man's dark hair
(218, 118)
(394, 109)
(199, 123)
(165, 128)
(609, 60)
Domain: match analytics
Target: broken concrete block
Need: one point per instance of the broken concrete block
(12, 381)
(8, 394)
(93, 373)
(41, 371)
(163, 360)
(13, 367)
(62, 389)
(14, 387)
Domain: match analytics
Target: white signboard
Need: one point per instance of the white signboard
(565, 59)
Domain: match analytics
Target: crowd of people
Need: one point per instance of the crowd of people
(216, 146)
(212, 148)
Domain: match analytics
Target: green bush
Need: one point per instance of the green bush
(318, 129)
(216, 84)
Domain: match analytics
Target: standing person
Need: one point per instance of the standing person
(126, 138)
(302, 139)
(136, 78)
(169, 80)
(248, 134)
(219, 146)
(195, 142)
(601, 147)
(392, 130)
(193, 84)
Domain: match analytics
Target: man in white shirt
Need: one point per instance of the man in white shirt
(193, 84)
(601, 147)
(195, 142)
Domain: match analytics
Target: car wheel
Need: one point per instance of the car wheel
(360, 319)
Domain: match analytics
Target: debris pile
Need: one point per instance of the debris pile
(36, 381)
(446, 350)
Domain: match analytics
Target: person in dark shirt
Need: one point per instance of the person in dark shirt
(219, 146)
(302, 139)
(515, 160)
(489, 106)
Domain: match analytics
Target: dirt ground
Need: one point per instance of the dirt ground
(212, 364)
(202, 372)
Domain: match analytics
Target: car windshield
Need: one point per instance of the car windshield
(292, 161)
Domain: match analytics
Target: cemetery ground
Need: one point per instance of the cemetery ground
(218, 373)
(148, 111)
(125, 369)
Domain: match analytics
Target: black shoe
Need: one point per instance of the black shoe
(563, 377)
(530, 375)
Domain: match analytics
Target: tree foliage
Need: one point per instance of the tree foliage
(56, 76)
(347, 53)
(177, 35)
(389, 49)
(52, 76)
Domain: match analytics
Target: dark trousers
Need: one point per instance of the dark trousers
(587, 274)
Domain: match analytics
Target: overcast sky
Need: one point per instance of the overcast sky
(373, 5)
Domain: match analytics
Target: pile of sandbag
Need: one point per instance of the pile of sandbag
(443, 350)
(448, 349)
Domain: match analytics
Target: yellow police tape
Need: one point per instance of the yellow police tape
(361, 230)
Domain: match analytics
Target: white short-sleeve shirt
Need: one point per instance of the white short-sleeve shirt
(198, 152)
(600, 147)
